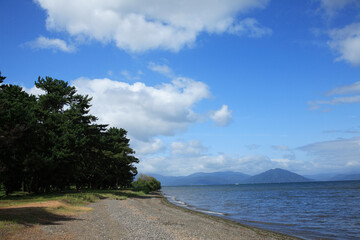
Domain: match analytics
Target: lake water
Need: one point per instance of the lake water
(312, 210)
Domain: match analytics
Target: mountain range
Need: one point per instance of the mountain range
(277, 175)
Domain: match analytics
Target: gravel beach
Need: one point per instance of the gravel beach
(149, 217)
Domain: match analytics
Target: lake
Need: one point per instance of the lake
(311, 210)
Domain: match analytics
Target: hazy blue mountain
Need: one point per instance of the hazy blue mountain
(320, 177)
(334, 177)
(345, 177)
(277, 175)
(216, 178)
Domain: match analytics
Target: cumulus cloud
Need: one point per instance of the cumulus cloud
(145, 111)
(346, 43)
(34, 91)
(54, 44)
(193, 147)
(137, 25)
(223, 116)
(147, 147)
(187, 157)
(340, 154)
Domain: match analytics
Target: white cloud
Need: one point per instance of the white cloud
(348, 131)
(193, 147)
(334, 101)
(288, 153)
(250, 27)
(281, 147)
(347, 89)
(331, 7)
(110, 73)
(162, 69)
(54, 44)
(147, 147)
(128, 75)
(337, 154)
(346, 43)
(137, 25)
(187, 157)
(144, 111)
(252, 146)
(34, 91)
(223, 116)
(177, 165)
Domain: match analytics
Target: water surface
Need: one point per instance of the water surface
(314, 210)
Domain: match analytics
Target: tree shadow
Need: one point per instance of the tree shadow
(29, 216)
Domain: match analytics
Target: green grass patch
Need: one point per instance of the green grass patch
(70, 197)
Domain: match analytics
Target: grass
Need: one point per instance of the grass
(20, 210)
(71, 197)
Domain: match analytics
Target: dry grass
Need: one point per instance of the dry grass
(20, 214)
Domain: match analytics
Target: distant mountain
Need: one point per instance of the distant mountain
(334, 177)
(346, 177)
(216, 178)
(320, 177)
(277, 175)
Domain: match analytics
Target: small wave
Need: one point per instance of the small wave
(175, 201)
(211, 212)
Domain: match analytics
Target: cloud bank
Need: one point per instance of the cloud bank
(185, 164)
(337, 154)
(137, 26)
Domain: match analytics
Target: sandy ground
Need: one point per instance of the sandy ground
(149, 217)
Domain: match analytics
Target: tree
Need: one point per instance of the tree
(119, 158)
(51, 142)
(146, 183)
(17, 134)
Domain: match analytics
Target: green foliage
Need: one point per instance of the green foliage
(51, 142)
(146, 183)
(2, 78)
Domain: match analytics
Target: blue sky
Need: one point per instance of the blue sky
(233, 85)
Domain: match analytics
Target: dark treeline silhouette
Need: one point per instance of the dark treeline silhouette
(51, 142)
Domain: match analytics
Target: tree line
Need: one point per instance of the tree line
(51, 142)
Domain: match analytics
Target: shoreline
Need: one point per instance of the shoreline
(150, 216)
(223, 219)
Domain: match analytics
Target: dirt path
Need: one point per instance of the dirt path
(150, 217)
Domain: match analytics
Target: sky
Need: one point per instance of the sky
(203, 85)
